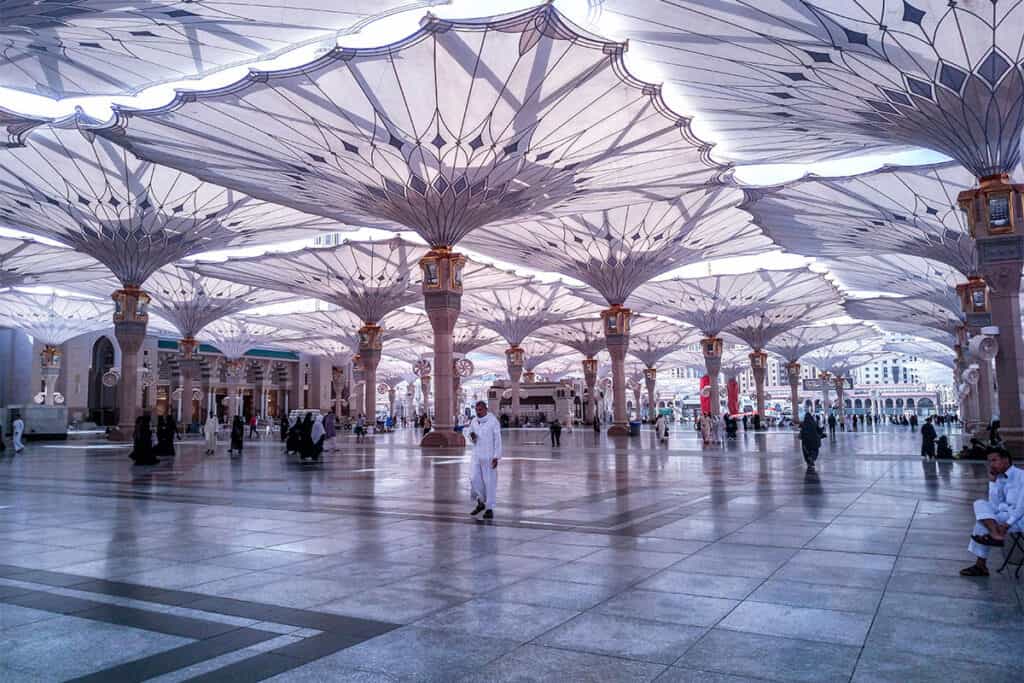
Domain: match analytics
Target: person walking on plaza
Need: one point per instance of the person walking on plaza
(556, 432)
(294, 436)
(810, 440)
(237, 435)
(661, 429)
(142, 442)
(284, 427)
(165, 430)
(210, 433)
(831, 425)
(706, 428)
(19, 428)
(1000, 514)
(329, 429)
(253, 424)
(360, 428)
(313, 447)
(485, 433)
(928, 437)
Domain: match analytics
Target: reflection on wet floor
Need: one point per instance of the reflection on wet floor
(607, 561)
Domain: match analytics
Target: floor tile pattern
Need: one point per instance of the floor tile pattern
(608, 561)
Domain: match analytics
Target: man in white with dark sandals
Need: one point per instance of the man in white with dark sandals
(1001, 513)
(485, 433)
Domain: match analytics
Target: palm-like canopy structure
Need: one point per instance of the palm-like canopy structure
(814, 80)
(651, 341)
(793, 344)
(236, 336)
(615, 250)
(52, 320)
(132, 216)
(516, 312)
(368, 278)
(462, 124)
(759, 305)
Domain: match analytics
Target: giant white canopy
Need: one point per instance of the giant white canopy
(53, 319)
(899, 210)
(907, 311)
(368, 278)
(901, 274)
(713, 303)
(616, 248)
(112, 47)
(27, 263)
(585, 335)
(130, 215)
(461, 124)
(795, 343)
(778, 80)
(515, 312)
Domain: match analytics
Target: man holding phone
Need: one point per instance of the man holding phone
(485, 433)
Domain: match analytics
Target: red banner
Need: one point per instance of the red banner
(733, 391)
(705, 401)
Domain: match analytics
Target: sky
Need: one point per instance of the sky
(391, 28)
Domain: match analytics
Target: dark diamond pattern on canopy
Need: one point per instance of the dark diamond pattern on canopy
(778, 80)
(615, 250)
(132, 216)
(462, 124)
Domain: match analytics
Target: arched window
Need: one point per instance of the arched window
(102, 399)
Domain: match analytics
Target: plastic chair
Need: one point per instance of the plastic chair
(1013, 552)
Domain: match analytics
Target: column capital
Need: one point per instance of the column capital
(711, 347)
(130, 305)
(616, 325)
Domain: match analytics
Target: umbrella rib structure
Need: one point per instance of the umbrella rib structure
(526, 138)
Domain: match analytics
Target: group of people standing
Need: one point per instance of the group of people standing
(306, 436)
(710, 428)
(147, 444)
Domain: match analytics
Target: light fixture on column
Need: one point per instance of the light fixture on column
(996, 222)
(974, 300)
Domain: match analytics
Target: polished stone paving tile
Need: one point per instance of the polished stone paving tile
(607, 561)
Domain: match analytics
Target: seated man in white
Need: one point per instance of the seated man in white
(1000, 514)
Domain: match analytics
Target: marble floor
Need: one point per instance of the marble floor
(605, 562)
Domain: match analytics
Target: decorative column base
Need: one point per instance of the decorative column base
(711, 348)
(650, 381)
(759, 366)
(590, 379)
(442, 295)
(793, 374)
(616, 335)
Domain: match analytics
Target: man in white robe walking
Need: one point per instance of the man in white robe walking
(485, 433)
(19, 429)
(1000, 514)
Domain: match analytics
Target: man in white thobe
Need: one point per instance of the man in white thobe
(210, 432)
(19, 429)
(1000, 514)
(485, 433)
